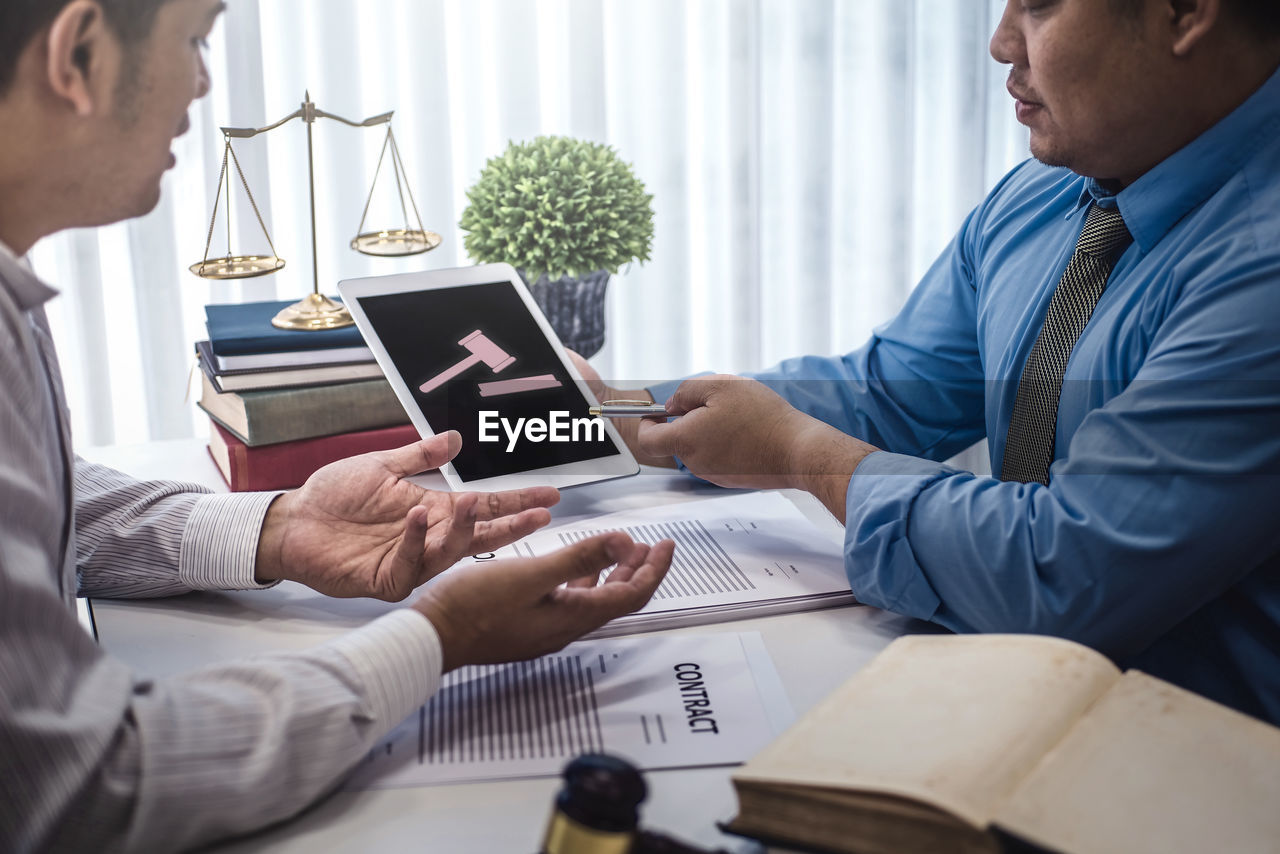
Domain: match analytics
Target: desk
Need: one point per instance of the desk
(813, 653)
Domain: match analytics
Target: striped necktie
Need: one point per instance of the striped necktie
(1033, 426)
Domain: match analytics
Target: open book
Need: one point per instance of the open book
(947, 743)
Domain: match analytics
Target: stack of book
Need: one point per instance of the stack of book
(281, 403)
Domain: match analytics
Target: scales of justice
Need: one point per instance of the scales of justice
(315, 311)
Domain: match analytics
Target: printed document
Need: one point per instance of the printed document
(659, 702)
(739, 556)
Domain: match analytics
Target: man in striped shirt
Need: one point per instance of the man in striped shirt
(92, 757)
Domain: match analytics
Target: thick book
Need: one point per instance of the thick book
(285, 415)
(985, 743)
(246, 328)
(261, 378)
(289, 464)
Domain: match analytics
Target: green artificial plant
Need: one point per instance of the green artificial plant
(560, 207)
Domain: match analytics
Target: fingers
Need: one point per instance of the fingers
(660, 438)
(491, 536)
(627, 588)
(587, 557)
(585, 581)
(495, 505)
(622, 571)
(458, 537)
(648, 570)
(627, 568)
(424, 455)
(694, 393)
(416, 525)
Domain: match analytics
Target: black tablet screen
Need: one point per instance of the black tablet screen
(476, 361)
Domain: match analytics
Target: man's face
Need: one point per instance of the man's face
(158, 80)
(1089, 81)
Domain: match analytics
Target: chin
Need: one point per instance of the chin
(144, 204)
(1047, 154)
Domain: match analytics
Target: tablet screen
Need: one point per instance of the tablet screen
(475, 361)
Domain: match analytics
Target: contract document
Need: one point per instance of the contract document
(739, 556)
(669, 702)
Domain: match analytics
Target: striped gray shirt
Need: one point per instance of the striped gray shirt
(95, 758)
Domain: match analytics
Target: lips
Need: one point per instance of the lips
(1025, 106)
(1021, 95)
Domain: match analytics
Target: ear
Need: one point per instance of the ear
(79, 42)
(1191, 21)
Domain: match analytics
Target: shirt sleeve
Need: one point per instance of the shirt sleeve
(917, 386)
(98, 759)
(1158, 507)
(138, 539)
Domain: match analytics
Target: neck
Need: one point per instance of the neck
(16, 233)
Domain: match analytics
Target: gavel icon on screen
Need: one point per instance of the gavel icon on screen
(482, 350)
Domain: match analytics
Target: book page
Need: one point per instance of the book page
(954, 721)
(660, 702)
(736, 556)
(1152, 767)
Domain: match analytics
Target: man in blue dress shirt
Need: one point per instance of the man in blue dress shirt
(1151, 530)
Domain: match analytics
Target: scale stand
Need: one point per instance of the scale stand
(315, 311)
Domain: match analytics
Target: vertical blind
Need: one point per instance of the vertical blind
(808, 161)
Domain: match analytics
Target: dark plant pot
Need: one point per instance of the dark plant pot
(575, 308)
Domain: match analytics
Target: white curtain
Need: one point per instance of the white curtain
(808, 159)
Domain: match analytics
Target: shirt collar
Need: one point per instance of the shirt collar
(1155, 202)
(16, 277)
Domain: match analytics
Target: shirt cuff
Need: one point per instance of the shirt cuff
(399, 659)
(879, 558)
(220, 541)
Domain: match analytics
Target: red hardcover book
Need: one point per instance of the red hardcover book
(288, 464)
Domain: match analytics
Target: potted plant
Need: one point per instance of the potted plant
(566, 213)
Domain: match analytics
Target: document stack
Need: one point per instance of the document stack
(281, 403)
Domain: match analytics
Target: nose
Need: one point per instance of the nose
(1006, 42)
(202, 77)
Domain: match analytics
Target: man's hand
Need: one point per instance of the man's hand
(737, 432)
(516, 609)
(627, 427)
(358, 528)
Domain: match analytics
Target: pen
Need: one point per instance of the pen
(628, 409)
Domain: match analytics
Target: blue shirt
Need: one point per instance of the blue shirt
(1157, 540)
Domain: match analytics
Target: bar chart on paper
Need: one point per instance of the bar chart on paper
(738, 556)
(660, 702)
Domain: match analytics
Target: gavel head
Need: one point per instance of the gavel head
(486, 351)
(602, 792)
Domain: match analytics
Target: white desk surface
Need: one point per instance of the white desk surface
(813, 652)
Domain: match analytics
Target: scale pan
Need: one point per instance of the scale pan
(395, 241)
(237, 266)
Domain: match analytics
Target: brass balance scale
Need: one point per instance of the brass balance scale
(315, 311)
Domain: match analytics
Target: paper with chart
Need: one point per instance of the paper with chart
(668, 702)
(739, 556)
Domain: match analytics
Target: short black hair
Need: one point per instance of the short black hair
(1260, 17)
(21, 20)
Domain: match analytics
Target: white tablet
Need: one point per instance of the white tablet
(468, 350)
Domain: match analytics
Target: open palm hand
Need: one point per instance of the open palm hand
(357, 527)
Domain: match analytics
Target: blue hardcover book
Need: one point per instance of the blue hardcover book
(236, 330)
